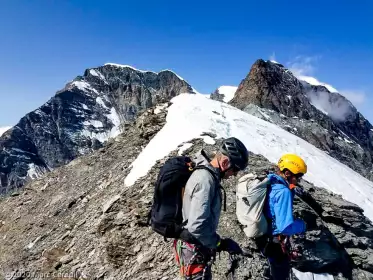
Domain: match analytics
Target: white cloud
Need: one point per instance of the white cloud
(3, 129)
(272, 56)
(304, 68)
(303, 65)
(357, 97)
(338, 109)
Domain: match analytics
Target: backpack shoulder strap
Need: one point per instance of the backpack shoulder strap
(209, 170)
(218, 181)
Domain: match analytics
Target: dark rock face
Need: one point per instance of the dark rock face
(324, 117)
(80, 118)
(216, 95)
(271, 86)
(80, 219)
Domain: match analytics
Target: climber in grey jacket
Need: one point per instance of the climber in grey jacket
(202, 203)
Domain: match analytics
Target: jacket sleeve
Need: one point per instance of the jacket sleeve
(199, 216)
(285, 222)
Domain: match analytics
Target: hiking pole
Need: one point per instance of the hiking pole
(234, 260)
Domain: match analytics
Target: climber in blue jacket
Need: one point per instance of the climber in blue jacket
(278, 210)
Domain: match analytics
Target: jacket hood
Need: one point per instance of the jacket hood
(202, 159)
(277, 181)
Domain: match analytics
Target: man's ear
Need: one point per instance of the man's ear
(287, 173)
(225, 163)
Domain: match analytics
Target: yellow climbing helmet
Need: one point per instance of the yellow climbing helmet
(293, 163)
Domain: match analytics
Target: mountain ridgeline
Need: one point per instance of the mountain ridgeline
(80, 118)
(99, 105)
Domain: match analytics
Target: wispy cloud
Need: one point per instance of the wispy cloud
(304, 68)
(272, 57)
(357, 97)
(303, 65)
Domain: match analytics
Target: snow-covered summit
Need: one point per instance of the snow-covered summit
(274, 61)
(141, 71)
(128, 66)
(82, 116)
(3, 129)
(313, 81)
(191, 115)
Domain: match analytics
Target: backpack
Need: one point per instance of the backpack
(251, 195)
(166, 216)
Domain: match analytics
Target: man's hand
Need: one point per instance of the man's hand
(230, 246)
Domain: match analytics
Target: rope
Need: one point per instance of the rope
(180, 245)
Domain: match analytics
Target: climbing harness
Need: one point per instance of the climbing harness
(200, 261)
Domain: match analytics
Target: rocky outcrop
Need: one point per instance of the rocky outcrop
(224, 93)
(216, 95)
(80, 220)
(330, 116)
(80, 118)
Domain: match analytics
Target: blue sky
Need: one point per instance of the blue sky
(45, 44)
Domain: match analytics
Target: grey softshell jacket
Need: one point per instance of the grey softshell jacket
(202, 204)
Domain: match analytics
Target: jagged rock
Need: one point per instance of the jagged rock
(223, 93)
(217, 96)
(323, 118)
(146, 257)
(110, 203)
(66, 259)
(80, 118)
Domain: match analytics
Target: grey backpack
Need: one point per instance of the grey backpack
(250, 196)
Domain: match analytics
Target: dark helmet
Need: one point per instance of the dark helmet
(236, 151)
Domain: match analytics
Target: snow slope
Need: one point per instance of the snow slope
(312, 276)
(191, 115)
(313, 81)
(228, 92)
(3, 129)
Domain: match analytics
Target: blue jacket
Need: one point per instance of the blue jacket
(279, 208)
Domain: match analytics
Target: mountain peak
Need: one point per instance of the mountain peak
(268, 85)
(313, 110)
(80, 118)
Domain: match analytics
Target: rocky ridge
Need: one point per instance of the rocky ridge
(80, 118)
(81, 220)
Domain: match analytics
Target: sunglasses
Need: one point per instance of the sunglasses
(298, 176)
(234, 169)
